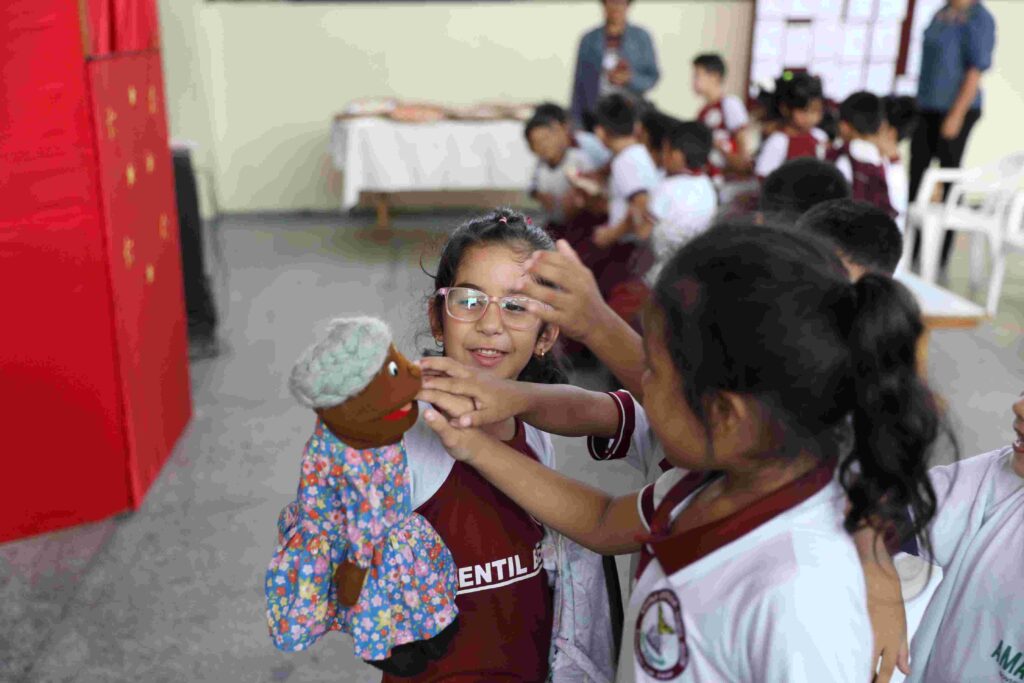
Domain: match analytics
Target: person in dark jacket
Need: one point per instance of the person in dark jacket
(614, 58)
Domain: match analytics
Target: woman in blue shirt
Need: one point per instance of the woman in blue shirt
(614, 58)
(957, 49)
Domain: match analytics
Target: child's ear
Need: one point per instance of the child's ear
(728, 413)
(436, 328)
(546, 339)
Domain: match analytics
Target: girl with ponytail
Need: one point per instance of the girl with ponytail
(761, 358)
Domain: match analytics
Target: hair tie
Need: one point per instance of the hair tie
(529, 221)
(504, 220)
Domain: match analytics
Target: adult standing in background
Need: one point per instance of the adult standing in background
(614, 58)
(957, 49)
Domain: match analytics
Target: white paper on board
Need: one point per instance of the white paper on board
(885, 41)
(855, 42)
(799, 41)
(880, 78)
(773, 9)
(851, 79)
(768, 40)
(828, 40)
(860, 10)
(829, 9)
(913, 66)
(802, 9)
(765, 71)
(829, 73)
(892, 10)
(906, 85)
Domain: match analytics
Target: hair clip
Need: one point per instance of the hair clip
(529, 221)
(503, 219)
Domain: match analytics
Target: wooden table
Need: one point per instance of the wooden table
(940, 309)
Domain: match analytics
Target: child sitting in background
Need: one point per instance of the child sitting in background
(684, 204)
(797, 185)
(800, 101)
(725, 115)
(653, 127)
(901, 116)
(633, 173)
(858, 158)
(866, 237)
(550, 139)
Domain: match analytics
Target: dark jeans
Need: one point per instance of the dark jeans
(927, 144)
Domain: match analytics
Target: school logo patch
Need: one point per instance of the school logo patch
(660, 640)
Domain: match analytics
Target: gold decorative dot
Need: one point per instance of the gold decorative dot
(164, 221)
(126, 252)
(129, 174)
(150, 273)
(133, 96)
(150, 163)
(111, 118)
(151, 96)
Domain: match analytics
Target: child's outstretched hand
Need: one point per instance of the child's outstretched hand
(573, 297)
(470, 398)
(461, 444)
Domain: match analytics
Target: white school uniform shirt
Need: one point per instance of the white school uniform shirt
(633, 171)
(775, 151)
(899, 189)
(973, 628)
(681, 207)
(554, 181)
(772, 594)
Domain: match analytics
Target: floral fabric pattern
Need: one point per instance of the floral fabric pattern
(354, 505)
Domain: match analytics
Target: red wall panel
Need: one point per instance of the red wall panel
(63, 455)
(140, 216)
(94, 388)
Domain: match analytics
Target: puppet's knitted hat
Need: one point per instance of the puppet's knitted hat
(341, 364)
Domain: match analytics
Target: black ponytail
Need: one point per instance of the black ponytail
(771, 314)
(514, 230)
(895, 416)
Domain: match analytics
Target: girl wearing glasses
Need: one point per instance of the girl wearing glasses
(506, 598)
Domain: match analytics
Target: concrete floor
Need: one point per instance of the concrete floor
(173, 592)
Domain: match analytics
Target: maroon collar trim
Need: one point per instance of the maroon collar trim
(676, 551)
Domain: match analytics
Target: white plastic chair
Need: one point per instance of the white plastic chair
(1011, 240)
(977, 202)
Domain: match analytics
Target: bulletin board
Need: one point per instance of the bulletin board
(852, 45)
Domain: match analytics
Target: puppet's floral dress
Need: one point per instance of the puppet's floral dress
(354, 505)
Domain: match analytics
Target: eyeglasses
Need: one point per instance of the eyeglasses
(469, 305)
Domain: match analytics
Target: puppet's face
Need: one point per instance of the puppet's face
(383, 411)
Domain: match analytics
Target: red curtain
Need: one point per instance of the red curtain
(121, 26)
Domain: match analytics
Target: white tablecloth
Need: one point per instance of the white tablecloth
(379, 155)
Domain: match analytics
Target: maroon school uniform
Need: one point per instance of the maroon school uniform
(861, 164)
(504, 600)
(725, 119)
(786, 145)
